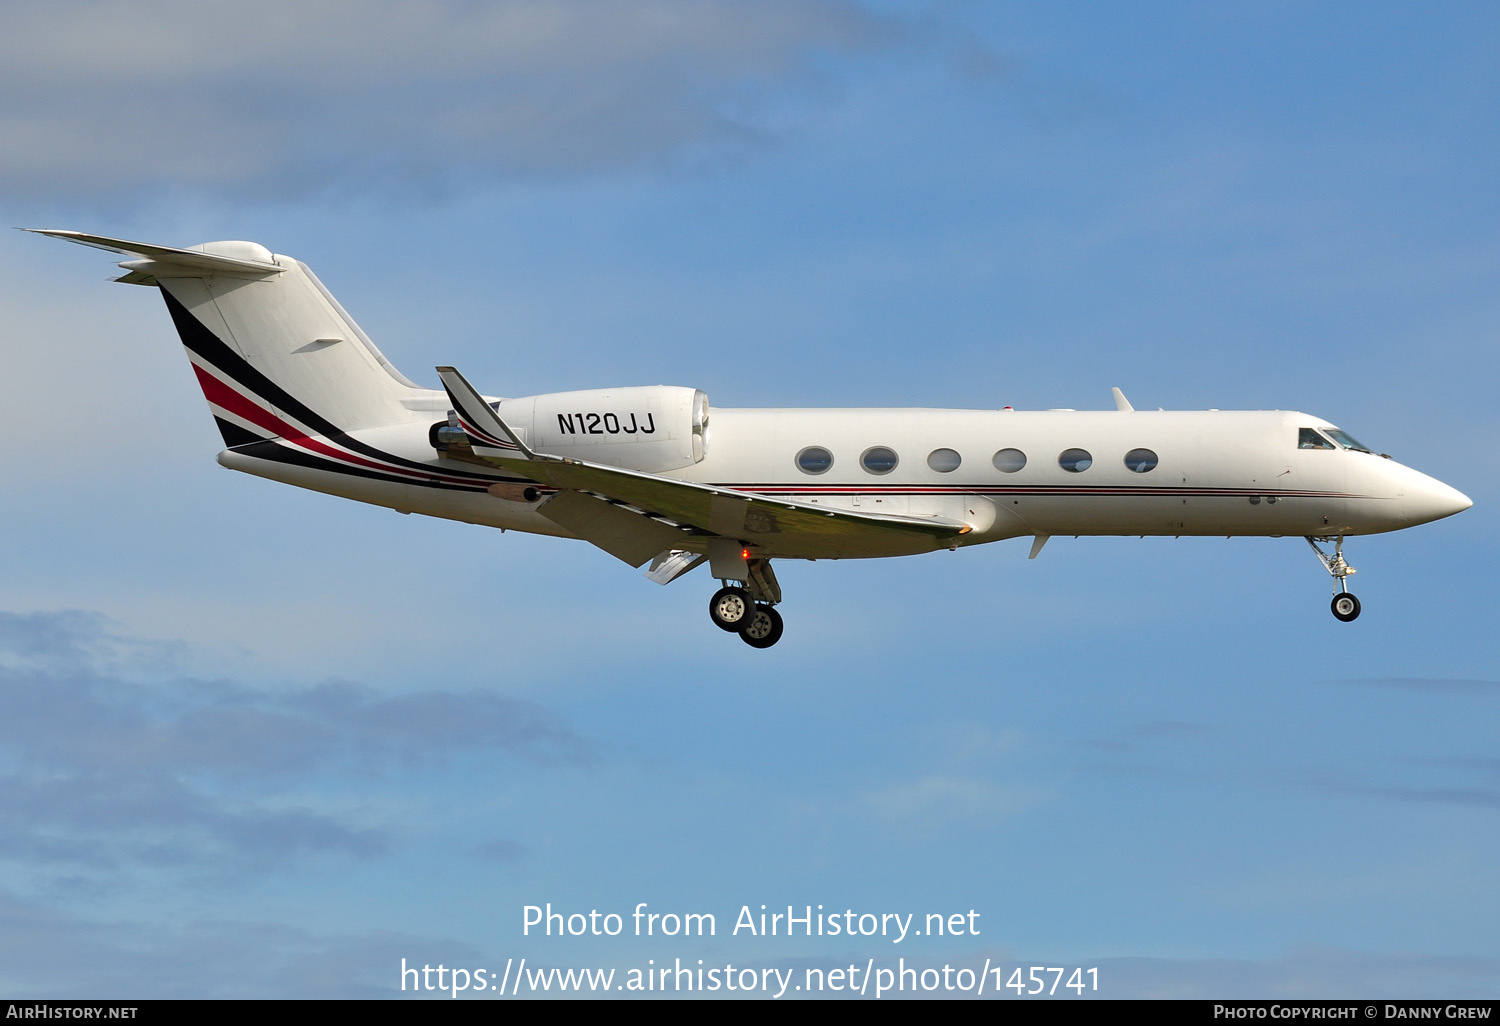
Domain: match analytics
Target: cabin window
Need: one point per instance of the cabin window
(1140, 460)
(1075, 461)
(944, 461)
(1308, 438)
(1008, 461)
(814, 460)
(879, 460)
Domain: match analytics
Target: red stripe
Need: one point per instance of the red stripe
(226, 398)
(979, 489)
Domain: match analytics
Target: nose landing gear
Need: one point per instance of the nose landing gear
(1345, 606)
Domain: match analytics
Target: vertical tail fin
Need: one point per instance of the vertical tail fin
(274, 352)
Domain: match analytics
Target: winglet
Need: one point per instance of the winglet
(1121, 403)
(478, 418)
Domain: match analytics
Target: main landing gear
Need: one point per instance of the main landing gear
(732, 609)
(748, 608)
(1345, 606)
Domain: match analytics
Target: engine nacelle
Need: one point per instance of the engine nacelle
(654, 428)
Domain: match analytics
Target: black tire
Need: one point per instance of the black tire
(729, 608)
(1345, 607)
(764, 628)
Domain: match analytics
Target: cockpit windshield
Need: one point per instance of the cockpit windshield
(1347, 441)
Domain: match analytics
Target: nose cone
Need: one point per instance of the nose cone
(1428, 499)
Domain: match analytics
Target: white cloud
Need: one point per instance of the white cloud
(290, 98)
(1313, 972)
(936, 800)
(51, 951)
(209, 773)
(970, 778)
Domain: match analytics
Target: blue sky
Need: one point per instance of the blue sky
(261, 742)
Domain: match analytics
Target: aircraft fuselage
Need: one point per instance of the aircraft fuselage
(1210, 473)
(653, 474)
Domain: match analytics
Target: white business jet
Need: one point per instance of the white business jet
(302, 396)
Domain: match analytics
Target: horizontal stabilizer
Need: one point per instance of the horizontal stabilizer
(254, 260)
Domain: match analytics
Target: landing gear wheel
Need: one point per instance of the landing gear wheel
(730, 608)
(1345, 607)
(763, 629)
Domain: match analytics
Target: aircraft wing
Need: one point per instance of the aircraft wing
(782, 526)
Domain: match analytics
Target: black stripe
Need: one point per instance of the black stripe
(234, 434)
(277, 452)
(202, 342)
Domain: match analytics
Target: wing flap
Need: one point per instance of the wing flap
(629, 537)
(672, 564)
